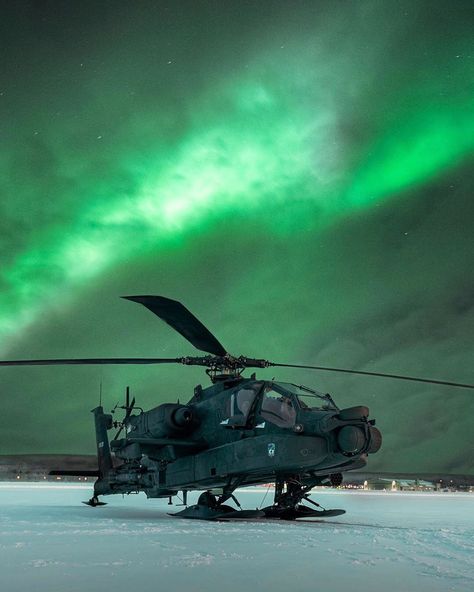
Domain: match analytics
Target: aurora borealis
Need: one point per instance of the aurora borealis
(299, 175)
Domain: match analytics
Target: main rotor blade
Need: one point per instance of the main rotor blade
(183, 321)
(94, 361)
(397, 376)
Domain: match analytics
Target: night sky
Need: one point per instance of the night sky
(298, 174)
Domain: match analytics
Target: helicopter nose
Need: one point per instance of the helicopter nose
(351, 439)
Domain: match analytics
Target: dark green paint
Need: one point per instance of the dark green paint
(221, 452)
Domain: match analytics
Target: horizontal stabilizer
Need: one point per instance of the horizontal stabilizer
(158, 442)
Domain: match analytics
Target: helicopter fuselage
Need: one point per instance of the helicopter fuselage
(238, 431)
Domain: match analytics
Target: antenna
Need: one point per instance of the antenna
(100, 392)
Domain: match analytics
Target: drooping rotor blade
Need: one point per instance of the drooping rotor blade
(382, 375)
(182, 320)
(92, 361)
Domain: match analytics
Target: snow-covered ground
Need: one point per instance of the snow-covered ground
(50, 542)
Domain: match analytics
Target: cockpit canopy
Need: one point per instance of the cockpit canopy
(308, 399)
(276, 402)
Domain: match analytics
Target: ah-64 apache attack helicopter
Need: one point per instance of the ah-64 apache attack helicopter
(235, 433)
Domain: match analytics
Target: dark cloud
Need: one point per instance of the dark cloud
(315, 161)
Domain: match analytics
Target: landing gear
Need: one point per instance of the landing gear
(212, 507)
(289, 493)
(208, 500)
(94, 502)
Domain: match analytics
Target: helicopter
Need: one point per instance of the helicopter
(237, 432)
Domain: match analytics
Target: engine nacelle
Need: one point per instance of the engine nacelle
(169, 419)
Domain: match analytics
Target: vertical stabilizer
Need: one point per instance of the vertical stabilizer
(103, 422)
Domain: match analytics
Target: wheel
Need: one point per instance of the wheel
(207, 499)
(335, 479)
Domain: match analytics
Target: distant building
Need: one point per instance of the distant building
(37, 467)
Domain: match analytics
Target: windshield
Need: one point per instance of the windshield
(277, 407)
(242, 400)
(308, 398)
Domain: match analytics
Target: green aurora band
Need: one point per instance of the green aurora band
(254, 147)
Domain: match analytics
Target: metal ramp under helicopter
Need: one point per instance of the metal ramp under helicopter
(235, 433)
